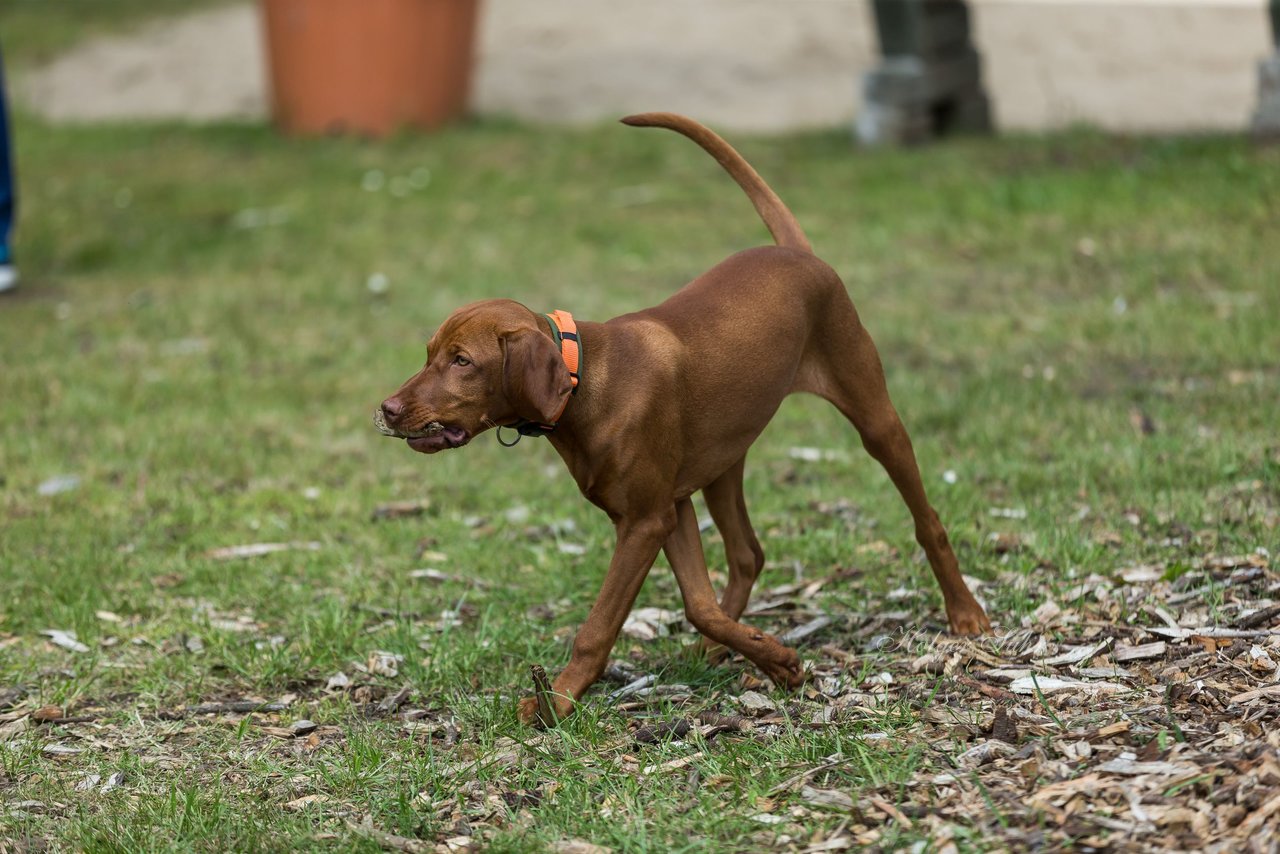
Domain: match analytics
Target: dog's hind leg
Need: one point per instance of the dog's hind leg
(684, 552)
(745, 558)
(742, 549)
(844, 367)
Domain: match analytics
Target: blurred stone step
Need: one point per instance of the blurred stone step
(892, 124)
(908, 124)
(911, 80)
(921, 27)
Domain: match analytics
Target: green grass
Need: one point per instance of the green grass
(195, 341)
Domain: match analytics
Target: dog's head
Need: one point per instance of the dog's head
(489, 364)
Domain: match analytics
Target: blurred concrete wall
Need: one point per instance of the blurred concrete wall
(1129, 65)
(1123, 64)
(771, 64)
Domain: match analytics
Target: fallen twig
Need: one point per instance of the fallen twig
(662, 731)
(237, 707)
(542, 690)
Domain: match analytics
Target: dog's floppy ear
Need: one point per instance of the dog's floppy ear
(534, 377)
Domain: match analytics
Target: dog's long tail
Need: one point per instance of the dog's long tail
(777, 216)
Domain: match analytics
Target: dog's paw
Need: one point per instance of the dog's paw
(969, 621)
(529, 714)
(788, 671)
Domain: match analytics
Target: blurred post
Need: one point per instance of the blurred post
(1266, 121)
(8, 195)
(929, 80)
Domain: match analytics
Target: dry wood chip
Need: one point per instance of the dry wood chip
(578, 846)
(65, 639)
(985, 752)
(113, 782)
(305, 801)
(1106, 672)
(392, 702)
(1255, 694)
(278, 732)
(1141, 652)
(12, 729)
(401, 509)
(1132, 768)
(383, 663)
(389, 841)
(650, 623)
(930, 662)
(1078, 654)
(756, 703)
(1166, 815)
(1003, 727)
(1179, 633)
(1255, 821)
(60, 750)
(258, 549)
(1067, 789)
(673, 764)
(1108, 731)
(633, 687)
(1143, 574)
(1162, 614)
(827, 797)
(987, 690)
(1053, 685)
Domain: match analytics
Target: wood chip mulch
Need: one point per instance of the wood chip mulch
(1141, 715)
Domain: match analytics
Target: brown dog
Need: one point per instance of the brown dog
(670, 400)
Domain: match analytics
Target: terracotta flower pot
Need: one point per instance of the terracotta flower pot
(368, 66)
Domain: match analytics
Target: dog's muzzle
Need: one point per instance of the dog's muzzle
(380, 424)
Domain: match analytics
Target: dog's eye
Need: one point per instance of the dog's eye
(461, 361)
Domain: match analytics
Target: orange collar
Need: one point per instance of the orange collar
(565, 332)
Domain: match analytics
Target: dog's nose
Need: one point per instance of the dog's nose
(392, 407)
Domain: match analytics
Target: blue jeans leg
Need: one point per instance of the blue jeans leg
(7, 191)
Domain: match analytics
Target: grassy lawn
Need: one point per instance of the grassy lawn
(1079, 330)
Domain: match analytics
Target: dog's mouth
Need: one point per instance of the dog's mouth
(427, 439)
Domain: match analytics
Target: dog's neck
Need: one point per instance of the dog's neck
(584, 425)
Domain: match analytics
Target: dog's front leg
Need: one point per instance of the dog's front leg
(638, 543)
